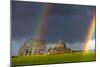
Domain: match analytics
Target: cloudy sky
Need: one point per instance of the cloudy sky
(68, 23)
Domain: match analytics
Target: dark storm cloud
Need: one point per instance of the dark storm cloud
(71, 9)
(67, 28)
(65, 22)
(23, 18)
(25, 9)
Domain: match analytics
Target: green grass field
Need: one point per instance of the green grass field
(53, 59)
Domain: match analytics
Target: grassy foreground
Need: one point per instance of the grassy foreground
(53, 59)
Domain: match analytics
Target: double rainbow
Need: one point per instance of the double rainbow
(41, 22)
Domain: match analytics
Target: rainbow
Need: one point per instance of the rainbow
(41, 20)
(89, 33)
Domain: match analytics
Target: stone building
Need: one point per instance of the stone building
(31, 47)
(57, 48)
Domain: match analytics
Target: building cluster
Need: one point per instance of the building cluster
(38, 47)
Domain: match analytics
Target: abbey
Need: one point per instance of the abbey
(38, 47)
